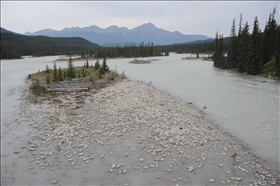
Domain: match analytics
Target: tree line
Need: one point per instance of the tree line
(128, 50)
(13, 46)
(252, 53)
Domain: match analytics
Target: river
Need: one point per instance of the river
(245, 106)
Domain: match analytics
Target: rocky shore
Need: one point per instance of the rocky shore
(130, 133)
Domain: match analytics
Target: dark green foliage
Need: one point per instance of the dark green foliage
(60, 76)
(277, 54)
(37, 89)
(231, 60)
(252, 64)
(269, 43)
(104, 68)
(16, 45)
(218, 56)
(55, 78)
(47, 69)
(128, 50)
(243, 48)
(87, 65)
(71, 69)
(253, 53)
(97, 65)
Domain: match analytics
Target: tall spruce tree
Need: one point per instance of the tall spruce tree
(265, 57)
(277, 54)
(215, 54)
(97, 65)
(238, 41)
(218, 56)
(272, 34)
(269, 44)
(232, 49)
(221, 60)
(253, 62)
(71, 70)
(60, 76)
(243, 47)
(104, 65)
(87, 65)
(55, 72)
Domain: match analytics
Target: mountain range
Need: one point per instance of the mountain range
(113, 35)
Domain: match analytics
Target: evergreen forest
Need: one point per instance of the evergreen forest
(252, 53)
(13, 46)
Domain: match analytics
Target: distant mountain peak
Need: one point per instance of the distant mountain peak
(146, 32)
(113, 26)
(148, 25)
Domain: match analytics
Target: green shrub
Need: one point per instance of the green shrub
(37, 89)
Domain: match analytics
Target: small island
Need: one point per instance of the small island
(72, 79)
(140, 61)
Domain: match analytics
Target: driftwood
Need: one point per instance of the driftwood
(67, 89)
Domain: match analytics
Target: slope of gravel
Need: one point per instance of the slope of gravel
(130, 133)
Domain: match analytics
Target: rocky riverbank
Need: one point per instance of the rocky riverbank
(130, 133)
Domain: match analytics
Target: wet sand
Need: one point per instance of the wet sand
(128, 133)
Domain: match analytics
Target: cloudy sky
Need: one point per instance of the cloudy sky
(184, 16)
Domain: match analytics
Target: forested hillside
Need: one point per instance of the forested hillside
(16, 45)
(253, 53)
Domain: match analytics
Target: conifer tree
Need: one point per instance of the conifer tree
(71, 70)
(238, 41)
(243, 47)
(277, 54)
(216, 49)
(231, 56)
(87, 65)
(104, 65)
(265, 46)
(252, 65)
(218, 56)
(97, 65)
(221, 61)
(47, 69)
(60, 76)
(54, 72)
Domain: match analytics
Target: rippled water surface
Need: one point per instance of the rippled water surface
(245, 106)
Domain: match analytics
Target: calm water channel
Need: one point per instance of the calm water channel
(245, 106)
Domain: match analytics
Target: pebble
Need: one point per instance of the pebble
(190, 168)
(172, 127)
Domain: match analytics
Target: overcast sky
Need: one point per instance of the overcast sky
(186, 17)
